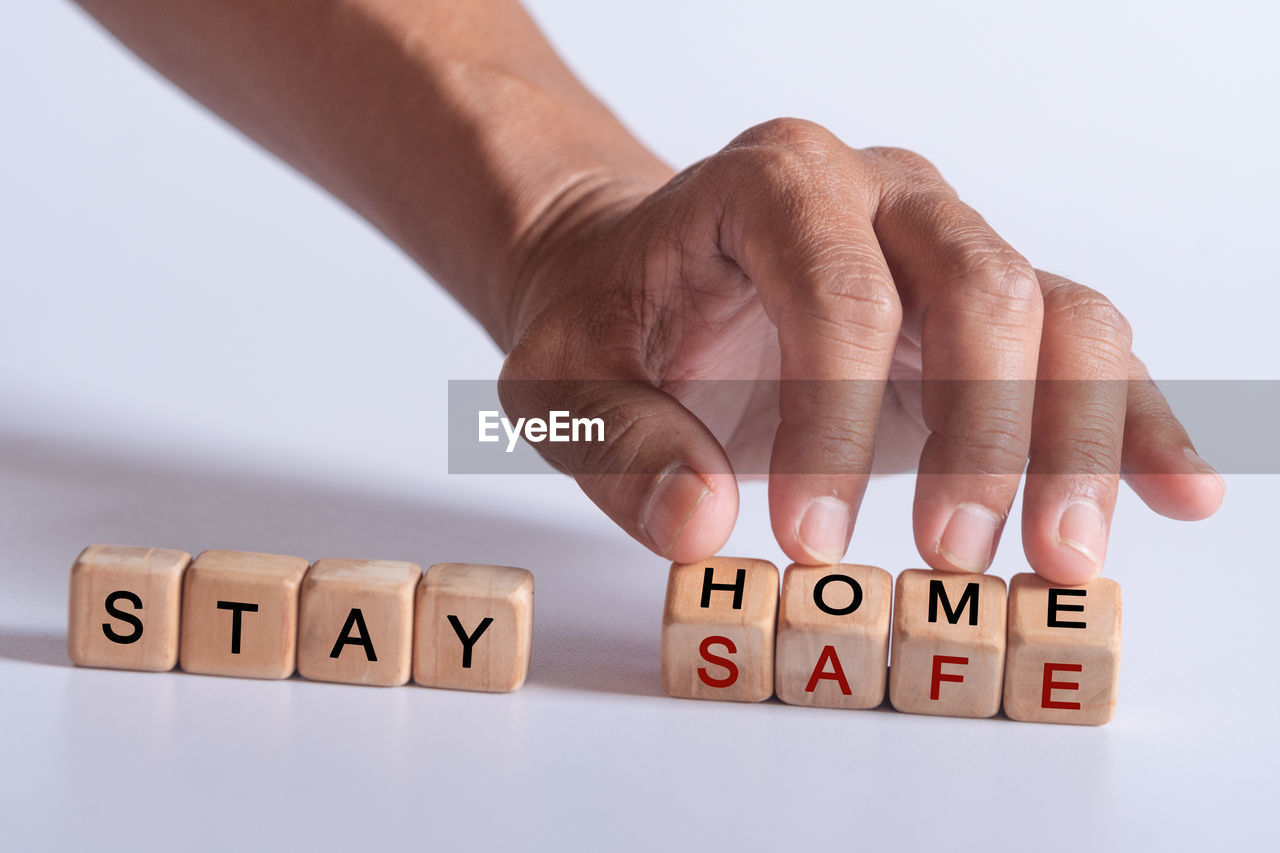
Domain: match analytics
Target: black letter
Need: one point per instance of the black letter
(938, 592)
(115, 613)
(468, 642)
(1054, 607)
(843, 611)
(739, 584)
(355, 619)
(236, 607)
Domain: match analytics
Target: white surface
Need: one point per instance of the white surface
(197, 349)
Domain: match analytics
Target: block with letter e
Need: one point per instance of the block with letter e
(1064, 651)
(948, 644)
(833, 636)
(718, 630)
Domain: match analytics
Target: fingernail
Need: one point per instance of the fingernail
(970, 537)
(1083, 529)
(674, 500)
(823, 531)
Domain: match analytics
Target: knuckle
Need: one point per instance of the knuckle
(904, 161)
(854, 294)
(793, 133)
(999, 280)
(1089, 313)
(787, 150)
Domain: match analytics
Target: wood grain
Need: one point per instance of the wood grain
(145, 584)
(268, 636)
(1064, 663)
(492, 607)
(943, 668)
(833, 659)
(355, 621)
(720, 651)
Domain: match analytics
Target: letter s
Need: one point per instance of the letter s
(704, 649)
(116, 613)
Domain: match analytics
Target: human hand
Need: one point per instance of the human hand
(790, 256)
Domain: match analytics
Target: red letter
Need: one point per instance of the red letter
(1046, 695)
(939, 676)
(724, 662)
(836, 674)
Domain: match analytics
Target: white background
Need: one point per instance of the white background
(199, 350)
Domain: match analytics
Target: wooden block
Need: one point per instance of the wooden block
(124, 607)
(240, 614)
(355, 621)
(833, 636)
(948, 643)
(1064, 651)
(474, 627)
(718, 630)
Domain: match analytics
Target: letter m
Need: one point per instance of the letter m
(938, 593)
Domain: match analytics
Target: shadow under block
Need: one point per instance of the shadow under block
(355, 621)
(474, 627)
(718, 630)
(124, 607)
(948, 643)
(240, 614)
(833, 636)
(1064, 651)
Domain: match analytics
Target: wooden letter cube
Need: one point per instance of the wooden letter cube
(948, 644)
(355, 621)
(1064, 651)
(833, 636)
(240, 614)
(718, 630)
(124, 607)
(474, 627)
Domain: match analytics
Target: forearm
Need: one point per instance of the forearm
(451, 126)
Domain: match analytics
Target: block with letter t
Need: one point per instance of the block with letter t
(240, 614)
(1064, 651)
(948, 644)
(718, 630)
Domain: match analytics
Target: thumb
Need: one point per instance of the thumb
(657, 470)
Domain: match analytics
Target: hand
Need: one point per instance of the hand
(791, 256)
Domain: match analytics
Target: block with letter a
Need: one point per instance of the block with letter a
(833, 636)
(948, 644)
(1064, 651)
(718, 630)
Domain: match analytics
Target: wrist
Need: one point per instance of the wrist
(577, 214)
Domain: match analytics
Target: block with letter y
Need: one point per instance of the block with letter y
(718, 630)
(473, 628)
(948, 644)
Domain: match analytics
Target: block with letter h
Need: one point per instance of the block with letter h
(718, 630)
